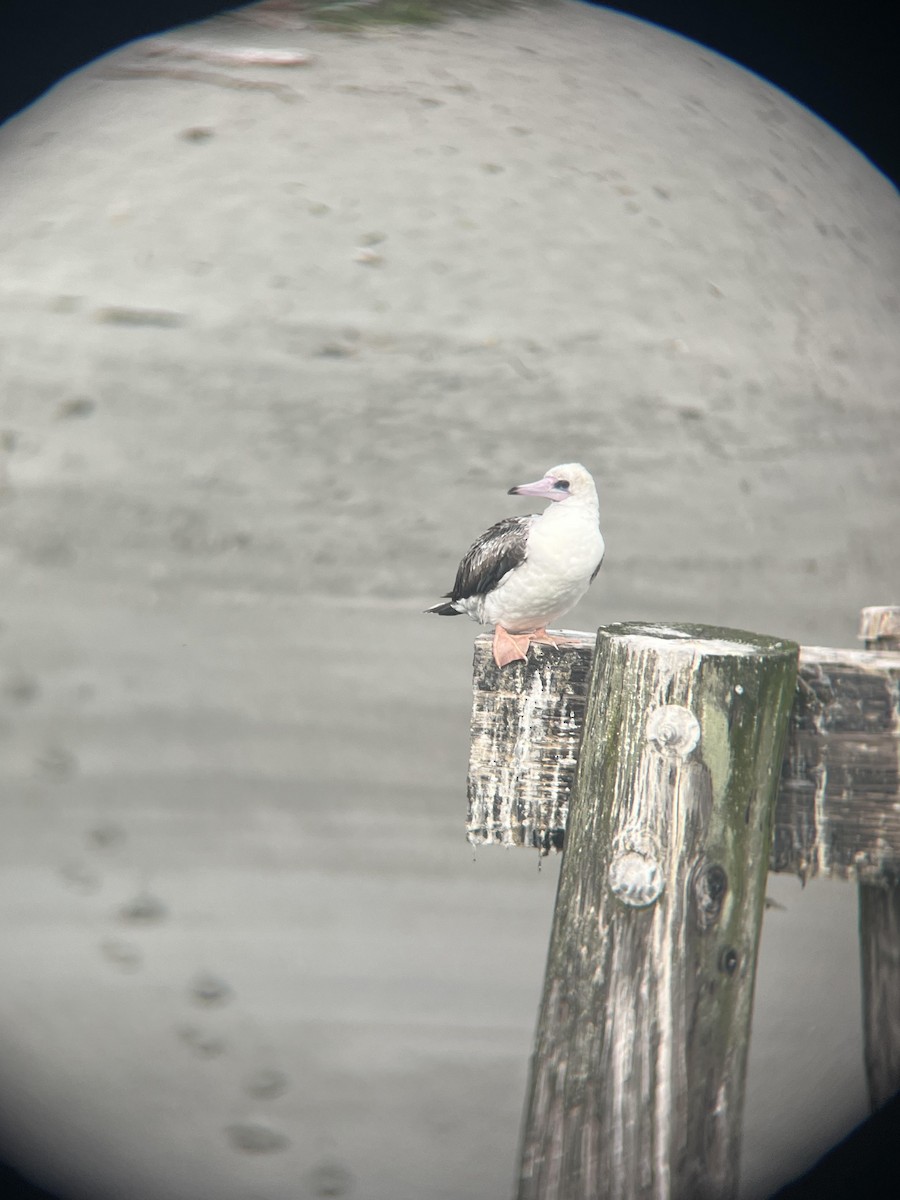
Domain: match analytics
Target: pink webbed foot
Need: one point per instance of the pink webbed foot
(547, 639)
(510, 647)
(513, 647)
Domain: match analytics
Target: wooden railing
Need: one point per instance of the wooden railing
(677, 766)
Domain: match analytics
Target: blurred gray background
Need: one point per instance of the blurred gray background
(275, 342)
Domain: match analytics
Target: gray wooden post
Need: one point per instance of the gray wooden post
(879, 927)
(637, 1078)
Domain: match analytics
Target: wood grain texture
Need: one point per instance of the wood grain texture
(879, 627)
(837, 812)
(638, 1072)
(879, 945)
(879, 927)
(525, 733)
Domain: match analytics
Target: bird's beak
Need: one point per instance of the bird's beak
(543, 487)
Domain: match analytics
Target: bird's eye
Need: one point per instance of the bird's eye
(562, 484)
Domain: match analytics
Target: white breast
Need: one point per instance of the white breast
(565, 548)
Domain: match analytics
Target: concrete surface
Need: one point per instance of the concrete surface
(274, 344)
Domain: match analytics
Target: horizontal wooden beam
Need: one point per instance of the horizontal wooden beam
(838, 808)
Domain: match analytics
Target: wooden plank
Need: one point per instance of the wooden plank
(879, 627)
(879, 945)
(638, 1073)
(837, 812)
(879, 927)
(837, 808)
(525, 734)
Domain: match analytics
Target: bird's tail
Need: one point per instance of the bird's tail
(444, 610)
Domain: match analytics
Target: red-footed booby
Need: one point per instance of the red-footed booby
(525, 572)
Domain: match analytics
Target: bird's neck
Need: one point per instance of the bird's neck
(574, 509)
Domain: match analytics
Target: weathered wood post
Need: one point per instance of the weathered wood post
(879, 925)
(637, 1078)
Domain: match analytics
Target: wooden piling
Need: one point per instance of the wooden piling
(879, 923)
(638, 1073)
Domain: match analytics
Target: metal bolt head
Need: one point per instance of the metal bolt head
(673, 730)
(635, 875)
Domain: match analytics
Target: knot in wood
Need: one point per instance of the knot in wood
(635, 876)
(673, 730)
(729, 960)
(709, 884)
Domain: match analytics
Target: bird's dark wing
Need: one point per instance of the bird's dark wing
(493, 555)
(597, 568)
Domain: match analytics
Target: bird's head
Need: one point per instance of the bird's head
(560, 483)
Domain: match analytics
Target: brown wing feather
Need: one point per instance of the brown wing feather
(497, 552)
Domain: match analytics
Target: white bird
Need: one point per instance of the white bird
(525, 572)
